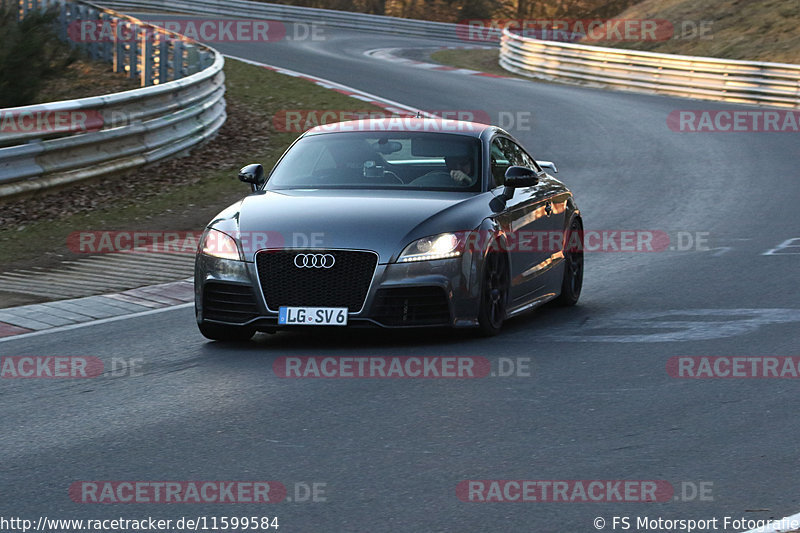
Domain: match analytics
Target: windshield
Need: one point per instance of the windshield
(381, 160)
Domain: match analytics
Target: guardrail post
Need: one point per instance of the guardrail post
(192, 60)
(177, 59)
(81, 15)
(119, 46)
(133, 56)
(63, 22)
(68, 11)
(206, 59)
(91, 17)
(147, 57)
(107, 46)
(163, 57)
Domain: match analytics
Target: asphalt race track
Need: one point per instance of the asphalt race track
(598, 404)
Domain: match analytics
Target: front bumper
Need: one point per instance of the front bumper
(442, 292)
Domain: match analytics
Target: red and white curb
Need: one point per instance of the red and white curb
(61, 315)
(390, 54)
(384, 103)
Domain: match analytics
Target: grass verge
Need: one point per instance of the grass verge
(83, 78)
(479, 59)
(733, 29)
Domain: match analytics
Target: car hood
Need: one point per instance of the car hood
(382, 221)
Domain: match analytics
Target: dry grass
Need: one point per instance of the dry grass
(481, 60)
(82, 79)
(757, 30)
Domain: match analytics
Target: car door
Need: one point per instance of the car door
(524, 220)
(553, 224)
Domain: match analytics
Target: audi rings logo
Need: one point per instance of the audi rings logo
(314, 260)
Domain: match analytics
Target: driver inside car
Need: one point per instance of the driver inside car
(460, 170)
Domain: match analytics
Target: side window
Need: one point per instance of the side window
(529, 161)
(519, 157)
(500, 162)
(506, 153)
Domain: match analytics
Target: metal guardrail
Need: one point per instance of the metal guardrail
(148, 55)
(705, 78)
(284, 13)
(116, 132)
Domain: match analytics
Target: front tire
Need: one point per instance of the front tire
(216, 332)
(572, 282)
(494, 294)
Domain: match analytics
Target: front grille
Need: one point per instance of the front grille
(411, 306)
(345, 284)
(227, 302)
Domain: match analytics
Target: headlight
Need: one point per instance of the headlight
(218, 244)
(442, 246)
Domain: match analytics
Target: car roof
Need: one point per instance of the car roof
(404, 124)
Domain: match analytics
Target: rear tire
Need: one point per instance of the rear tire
(572, 282)
(494, 294)
(217, 332)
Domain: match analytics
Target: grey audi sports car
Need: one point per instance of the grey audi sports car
(394, 223)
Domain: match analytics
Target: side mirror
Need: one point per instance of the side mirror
(254, 175)
(548, 165)
(520, 177)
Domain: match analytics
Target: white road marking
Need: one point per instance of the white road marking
(722, 250)
(791, 244)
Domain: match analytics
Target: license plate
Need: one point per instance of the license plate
(313, 316)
